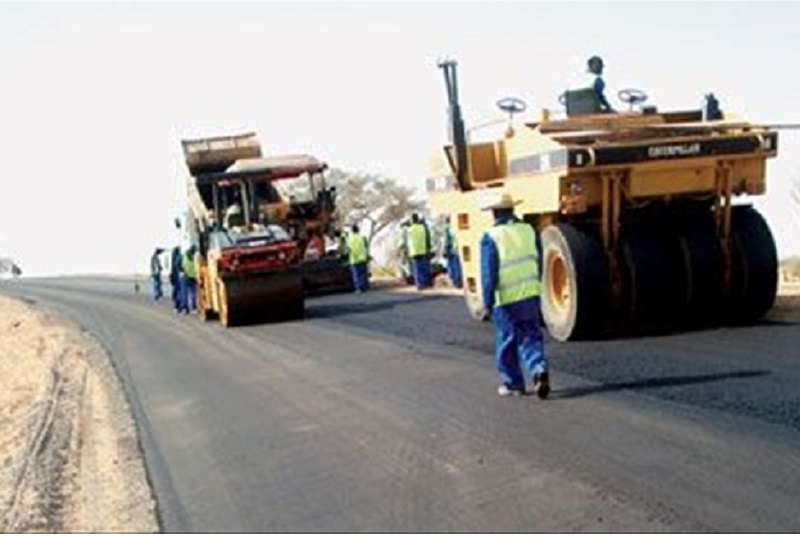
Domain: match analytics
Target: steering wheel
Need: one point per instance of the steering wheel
(632, 97)
(512, 105)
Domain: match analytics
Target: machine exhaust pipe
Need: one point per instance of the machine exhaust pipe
(458, 156)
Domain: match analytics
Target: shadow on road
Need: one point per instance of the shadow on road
(648, 383)
(338, 309)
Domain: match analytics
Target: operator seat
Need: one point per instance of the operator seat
(582, 102)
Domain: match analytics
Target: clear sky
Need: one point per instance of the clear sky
(95, 98)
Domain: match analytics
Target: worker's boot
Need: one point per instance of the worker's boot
(505, 390)
(541, 385)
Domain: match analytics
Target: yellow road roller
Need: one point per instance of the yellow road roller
(638, 212)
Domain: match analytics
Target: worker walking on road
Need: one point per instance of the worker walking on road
(189, 281)
(450, 252)
(358, 257)
(155, 274)
(175, 260)
(511, 290)
(418, 244)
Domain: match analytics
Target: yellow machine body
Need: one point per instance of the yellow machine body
(599, 173)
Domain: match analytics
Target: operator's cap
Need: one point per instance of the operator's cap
(497, 201)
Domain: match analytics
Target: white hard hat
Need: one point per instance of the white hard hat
(497, 201)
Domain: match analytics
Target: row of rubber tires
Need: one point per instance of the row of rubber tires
(670, 277)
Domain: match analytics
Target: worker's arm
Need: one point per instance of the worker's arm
(600, 91)
(538, 252)
(489, 268)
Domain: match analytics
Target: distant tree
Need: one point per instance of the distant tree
(367, 198)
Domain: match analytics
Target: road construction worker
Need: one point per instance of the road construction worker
(418, 244)
(315, 248)
(595, 68)
(511, 289)
(233, 216)
(175, 260)
(450, 252)
(341, 245)
(155, 274)
(358, 257)
(189, 281)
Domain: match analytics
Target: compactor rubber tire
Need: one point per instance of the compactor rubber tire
(754, 266)
(702, 258)
(654, 281)
(575, 283)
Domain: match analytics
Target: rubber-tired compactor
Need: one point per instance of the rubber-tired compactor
(635, 212)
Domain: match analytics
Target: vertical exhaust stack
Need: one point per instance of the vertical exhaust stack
(458, 156)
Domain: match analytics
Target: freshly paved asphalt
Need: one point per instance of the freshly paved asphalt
(378, 413)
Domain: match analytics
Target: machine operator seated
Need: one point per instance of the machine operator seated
(233, 216)
(590, 99)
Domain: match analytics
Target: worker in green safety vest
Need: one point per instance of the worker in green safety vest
(188, 281)
(358, 257)
(450, 253)
(341, 243)
(418, 247)
(511, 288)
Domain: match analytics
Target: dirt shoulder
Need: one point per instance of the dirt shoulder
(70, 459)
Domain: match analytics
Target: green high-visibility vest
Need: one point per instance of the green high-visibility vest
(189, 267)
(357, 246)
(417, 240)
(518, 271)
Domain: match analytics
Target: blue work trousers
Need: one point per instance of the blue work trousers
(158, 291)
(188, 294)
(454, 269)
(519, 348)
(175, 282)
(421, 268)
(360, 276)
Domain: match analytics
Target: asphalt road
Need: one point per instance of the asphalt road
(379, 413)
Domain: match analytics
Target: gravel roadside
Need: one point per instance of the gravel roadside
(70, 459)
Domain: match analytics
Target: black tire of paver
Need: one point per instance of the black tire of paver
(297, 309)
(703, 271)
(655, 282)
(575, 283)
(755, 266)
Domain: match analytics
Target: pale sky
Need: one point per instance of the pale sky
(95, 98)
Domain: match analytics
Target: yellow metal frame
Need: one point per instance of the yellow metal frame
(593, 192)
